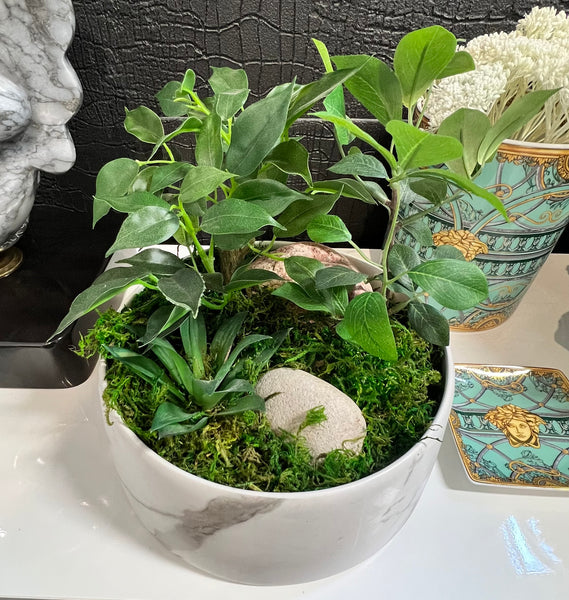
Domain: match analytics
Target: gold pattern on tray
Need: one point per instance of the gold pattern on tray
(520, 427)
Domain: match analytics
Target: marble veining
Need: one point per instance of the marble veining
(39, 93)
(196, 526)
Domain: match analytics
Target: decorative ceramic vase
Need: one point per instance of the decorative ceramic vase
(532, 180)
(269, 538)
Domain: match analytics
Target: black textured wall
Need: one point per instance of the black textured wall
(125, 51)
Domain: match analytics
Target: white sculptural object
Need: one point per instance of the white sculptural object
(39, 93)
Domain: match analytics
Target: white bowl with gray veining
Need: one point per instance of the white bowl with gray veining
(266, 538)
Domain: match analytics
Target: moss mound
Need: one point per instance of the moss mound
(398, 399)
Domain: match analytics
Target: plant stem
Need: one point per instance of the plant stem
(395, 205)
(189, 228)
(360, 252)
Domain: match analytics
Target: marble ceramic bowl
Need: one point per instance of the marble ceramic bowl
(268, 538)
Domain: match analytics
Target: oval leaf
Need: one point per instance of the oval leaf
(360, 164)
(327, 229)
(185, 288)
(148, 226)
(429, 323)
(374, 85)
(452, 283)
(257, 129)
(144, 124)
(421, 57)
(233, 216)
(366, 323)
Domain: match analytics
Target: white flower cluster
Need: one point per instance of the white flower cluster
(508, 65)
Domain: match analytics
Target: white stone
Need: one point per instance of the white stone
(291, 393)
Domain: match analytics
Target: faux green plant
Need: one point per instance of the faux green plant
(206, 375)
(437, 166)
(236, 190)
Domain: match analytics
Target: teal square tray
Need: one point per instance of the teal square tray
(511, 425)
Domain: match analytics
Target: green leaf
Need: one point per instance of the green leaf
(201, 181)
(188, 82)
(106, 286)
(461, 62)
(434, 190)
(299, 214)
(233, 216)
(169, 418)
(270, 195)
(429, 323)
(308, 95)
(446, 251)
(233, 242)
(336, 300)
(469, 127)
(360, 164)
(209, 152)
(359, 133)
(243, 403)
(302, 270)
(327, 229)
(291, 157)
(100, 209)
(162, 320)
(135, 201)
(181, 429)
(166, 98)
(330, 277)
(376, 191)
(229, 362)
(452, 283)
(334, 102)
(156, 261)
(465, 184)
(400, 260)
(231, 88)
(224, 338)
(349, 188)
(164, 176)
(184, 288)
(257, 130)
(214, 282)
(520, 111)
(245, 277)
(418, 148)
(194, 340)
(420, 231)
(177, 366)
(148, 226)
(421, 57)
(144, 124)
(144, 367)
(366, 323)
(116, 178)
(295, 294)
(374, 85)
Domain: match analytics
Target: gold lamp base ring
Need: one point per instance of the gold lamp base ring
(10, 260)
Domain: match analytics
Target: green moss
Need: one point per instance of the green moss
(242, 451)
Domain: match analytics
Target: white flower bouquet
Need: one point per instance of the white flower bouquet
(508, 66)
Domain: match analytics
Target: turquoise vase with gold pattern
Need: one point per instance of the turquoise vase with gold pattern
(532, 180)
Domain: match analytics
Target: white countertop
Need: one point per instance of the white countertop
(67, 531)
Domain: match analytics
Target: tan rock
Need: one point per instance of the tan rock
(291, 393)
